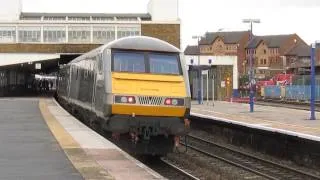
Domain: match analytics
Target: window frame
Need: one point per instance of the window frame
(146, 61)
(166, 53)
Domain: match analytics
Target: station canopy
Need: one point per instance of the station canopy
(31, 62)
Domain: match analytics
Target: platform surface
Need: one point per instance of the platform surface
(40, 140)
(28, 149)
(278, 119)
(93, 155)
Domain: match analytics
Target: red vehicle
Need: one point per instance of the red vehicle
(278, 79)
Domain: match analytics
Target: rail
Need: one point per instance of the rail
(183, 172)
(254, 164)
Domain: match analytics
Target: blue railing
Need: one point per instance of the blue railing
(301, 92)
(272, 92)
(294, 92)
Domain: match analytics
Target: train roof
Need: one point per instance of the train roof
(141, 43)
(145, 43)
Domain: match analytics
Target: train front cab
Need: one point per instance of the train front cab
(150, 94)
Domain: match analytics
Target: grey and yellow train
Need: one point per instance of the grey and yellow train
(134, 87)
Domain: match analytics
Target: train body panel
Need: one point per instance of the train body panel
(134, 85)
(141, 110)
(147, 84)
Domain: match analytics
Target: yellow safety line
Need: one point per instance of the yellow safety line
(86, 165)
(259, 119)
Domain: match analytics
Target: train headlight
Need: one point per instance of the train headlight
(167, 101)
(174, 102)
(130, 99)
(125, 99)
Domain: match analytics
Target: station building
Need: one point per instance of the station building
(33, 43)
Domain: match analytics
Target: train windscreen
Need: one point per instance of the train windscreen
(129, 62)
(164, 64)
(146, 62)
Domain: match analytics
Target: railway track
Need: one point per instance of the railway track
(261, 167)
(167, 168)
(179, 170)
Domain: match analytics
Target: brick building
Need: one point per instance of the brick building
(269, 53)
(231, 43)
(298, 59)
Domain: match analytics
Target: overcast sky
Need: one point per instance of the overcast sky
(198, 16)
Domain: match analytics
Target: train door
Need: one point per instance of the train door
(93, 98)
(68, 82)
(99, 86)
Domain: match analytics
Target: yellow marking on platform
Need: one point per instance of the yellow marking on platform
(87, 166)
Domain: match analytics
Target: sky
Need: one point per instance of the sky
(200, 16)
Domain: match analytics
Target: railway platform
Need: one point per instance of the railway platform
(40, 140)
(287, 121)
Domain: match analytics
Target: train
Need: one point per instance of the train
(135, 88)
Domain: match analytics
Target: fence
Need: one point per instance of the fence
(301, 93)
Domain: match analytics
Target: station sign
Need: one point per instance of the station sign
(38, 65)
(223, 84)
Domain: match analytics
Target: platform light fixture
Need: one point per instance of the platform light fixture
(251, 79)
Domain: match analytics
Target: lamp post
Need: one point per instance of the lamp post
(200, 97)
(313, 82)
(251, 21)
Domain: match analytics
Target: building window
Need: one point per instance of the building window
(124, 31)
(54, 18)
(79, 34)
(127, 18)
(265, 51)
(265, 61)
(31, 18)
(78, 18)
(102, 19)
(103, 34)
(7, 34)
(54, 34)
(29, 34)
